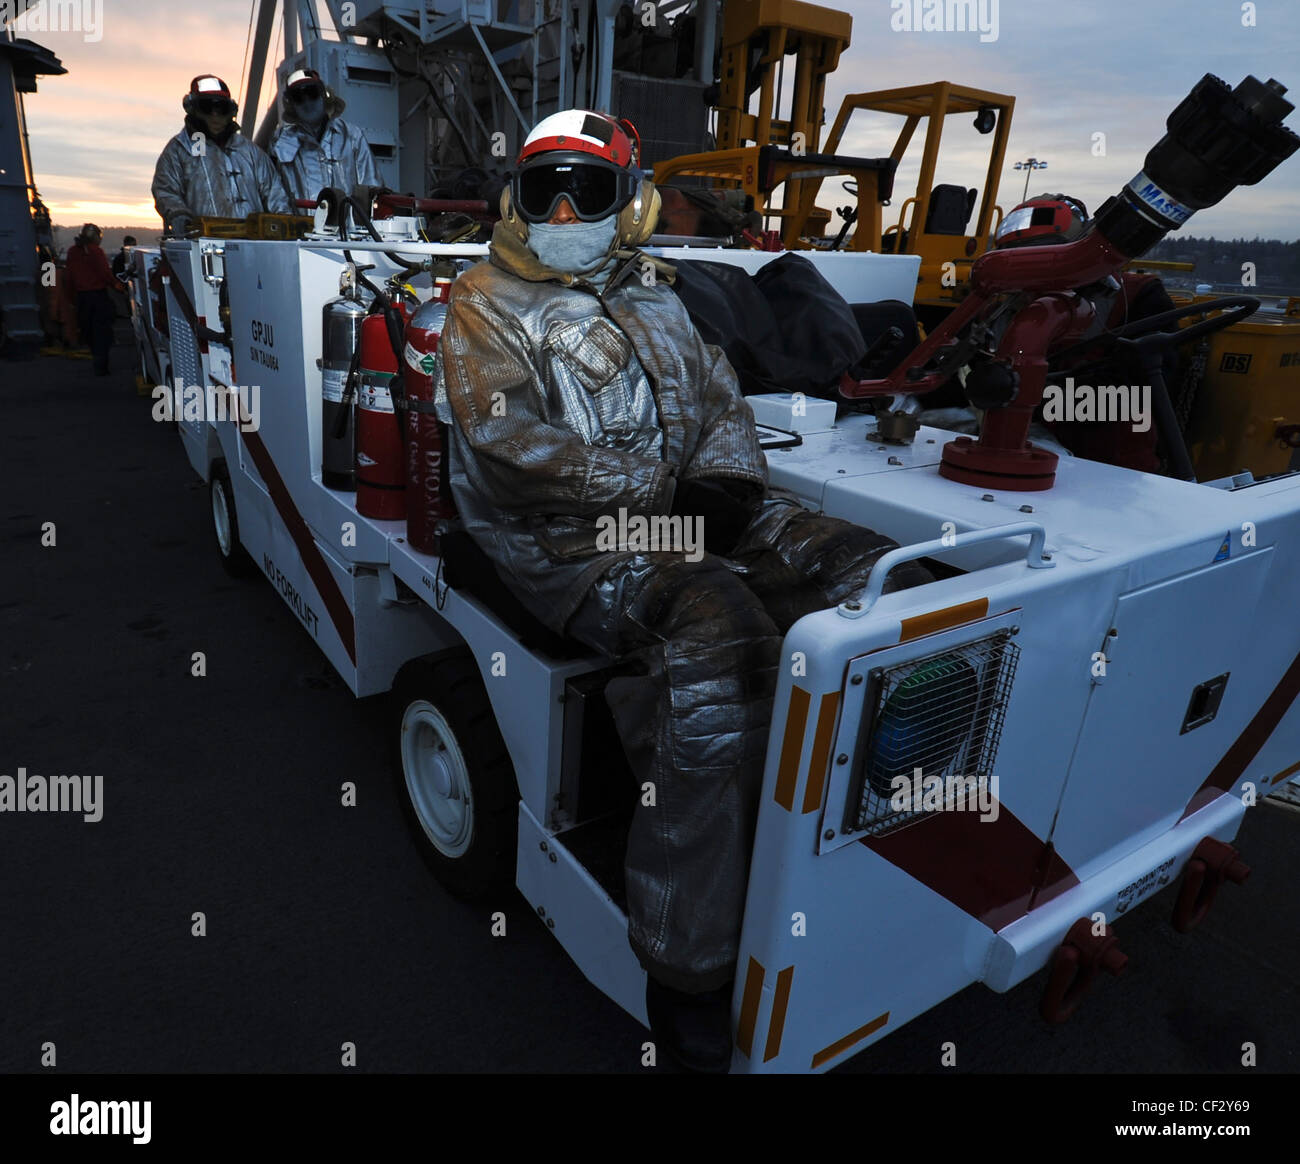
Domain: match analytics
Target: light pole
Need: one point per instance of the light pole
(1029, 165)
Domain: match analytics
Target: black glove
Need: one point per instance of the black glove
(726, 507)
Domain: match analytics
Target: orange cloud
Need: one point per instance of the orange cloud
(96, 133)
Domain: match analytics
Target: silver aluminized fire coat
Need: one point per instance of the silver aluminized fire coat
(560, 412)
(553, 419)
(341, 157)
(204, 178)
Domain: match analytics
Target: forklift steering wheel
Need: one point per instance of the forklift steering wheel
(1144, 339)
(1149, 332)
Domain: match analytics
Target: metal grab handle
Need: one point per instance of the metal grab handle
(1034, 559)
(902, 216)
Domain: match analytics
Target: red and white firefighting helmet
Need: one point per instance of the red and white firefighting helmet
(209, 94)
(305, 85)
(1043, 220)
(589, 158)
(583, 131)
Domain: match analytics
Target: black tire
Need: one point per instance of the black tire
(165, 368)
(468, 842)
(221, 499)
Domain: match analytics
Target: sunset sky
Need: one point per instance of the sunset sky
(1076, 68)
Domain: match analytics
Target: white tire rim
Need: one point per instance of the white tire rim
(221, 517)
(437, 779)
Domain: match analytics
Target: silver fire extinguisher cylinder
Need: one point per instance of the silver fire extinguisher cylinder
(340, 337)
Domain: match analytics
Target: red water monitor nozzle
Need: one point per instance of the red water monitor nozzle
(1024, 305)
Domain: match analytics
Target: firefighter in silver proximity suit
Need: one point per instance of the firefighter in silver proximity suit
(574, 386)
(314, 147)
(210, 168)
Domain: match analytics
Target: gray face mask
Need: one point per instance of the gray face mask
(575, 248)
(312, 112)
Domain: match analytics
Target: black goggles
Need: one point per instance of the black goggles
(595, 190)
(306, 93)
(211, 105)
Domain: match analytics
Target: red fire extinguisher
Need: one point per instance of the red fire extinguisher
(381, 475)
(428, 500)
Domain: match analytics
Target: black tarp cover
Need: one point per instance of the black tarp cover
(784, 329)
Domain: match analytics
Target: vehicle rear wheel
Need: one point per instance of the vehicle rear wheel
(454, 776)
(225, 525)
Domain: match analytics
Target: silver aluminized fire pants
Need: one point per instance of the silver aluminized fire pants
(696, 724)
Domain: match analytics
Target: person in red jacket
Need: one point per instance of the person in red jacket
(89, 278)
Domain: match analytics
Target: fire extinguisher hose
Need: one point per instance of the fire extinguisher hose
(397, 386)
(349, 391)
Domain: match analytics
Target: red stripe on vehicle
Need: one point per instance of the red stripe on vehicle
(991, 869)
(1247, 745)
(317, 568)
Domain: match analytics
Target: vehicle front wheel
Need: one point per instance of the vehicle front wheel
(225, 525)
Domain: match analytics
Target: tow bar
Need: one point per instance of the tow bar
(1075, 965)
(1212, 863)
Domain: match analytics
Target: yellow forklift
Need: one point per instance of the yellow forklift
(1244, 408)
(935, 222)
(1240, 406)
(760, 153)
(1239, 397)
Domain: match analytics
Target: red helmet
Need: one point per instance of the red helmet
(304, 80)
(209, 90)
(587, 157)
(584, 131)
(1043, 220)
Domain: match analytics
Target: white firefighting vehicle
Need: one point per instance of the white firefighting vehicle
(1115, 660)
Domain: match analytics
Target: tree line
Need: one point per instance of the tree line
(1277, 263)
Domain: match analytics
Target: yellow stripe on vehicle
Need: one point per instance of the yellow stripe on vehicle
(937, 620)
(749, 1006)
(842, 1045)
(821, 752)
(1291, 771)
(796, 722)
(780, 1001)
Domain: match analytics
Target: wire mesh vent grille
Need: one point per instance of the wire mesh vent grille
(184, 350)
(941, 714)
